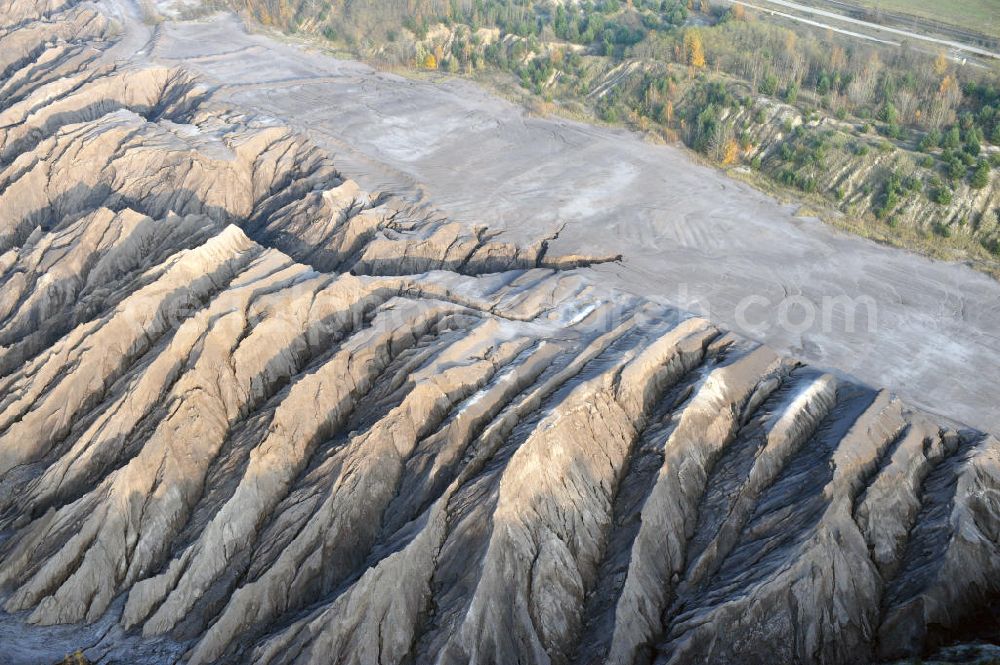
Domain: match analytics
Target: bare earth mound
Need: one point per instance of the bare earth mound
(690, 236)
(250, 413)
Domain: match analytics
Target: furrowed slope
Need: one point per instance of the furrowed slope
(252, 413)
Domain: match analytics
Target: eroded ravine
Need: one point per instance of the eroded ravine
(690, 235)
(250, 412)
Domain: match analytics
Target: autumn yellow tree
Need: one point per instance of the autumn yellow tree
(730, 152)
(941, 64)
(693, 49)
(949, 88)
(430, 62)
(75, 658)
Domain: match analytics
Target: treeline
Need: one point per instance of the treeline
(901, 88)
(705, 74)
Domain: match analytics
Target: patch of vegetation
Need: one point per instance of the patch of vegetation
(894, 189)
(735, 87)
(939, 193)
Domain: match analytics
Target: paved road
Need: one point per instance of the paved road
(813, 11)
(817, 24)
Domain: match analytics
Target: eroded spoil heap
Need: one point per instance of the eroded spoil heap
(250, 413)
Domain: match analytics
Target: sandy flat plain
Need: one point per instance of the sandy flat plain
(689, 235)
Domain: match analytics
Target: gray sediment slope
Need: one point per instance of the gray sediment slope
(251, 412)
(690, 236)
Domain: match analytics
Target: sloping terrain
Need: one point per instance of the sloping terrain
(689, 235)
(250, 413)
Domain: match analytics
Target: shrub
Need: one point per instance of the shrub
(941, 195)
(930, 141)
(952, 139)
(888, 114)
(954, 167)
(823, 84)
(893, 131)
(792, 92)
(891, 191)
(769, 85)
(981, 175)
